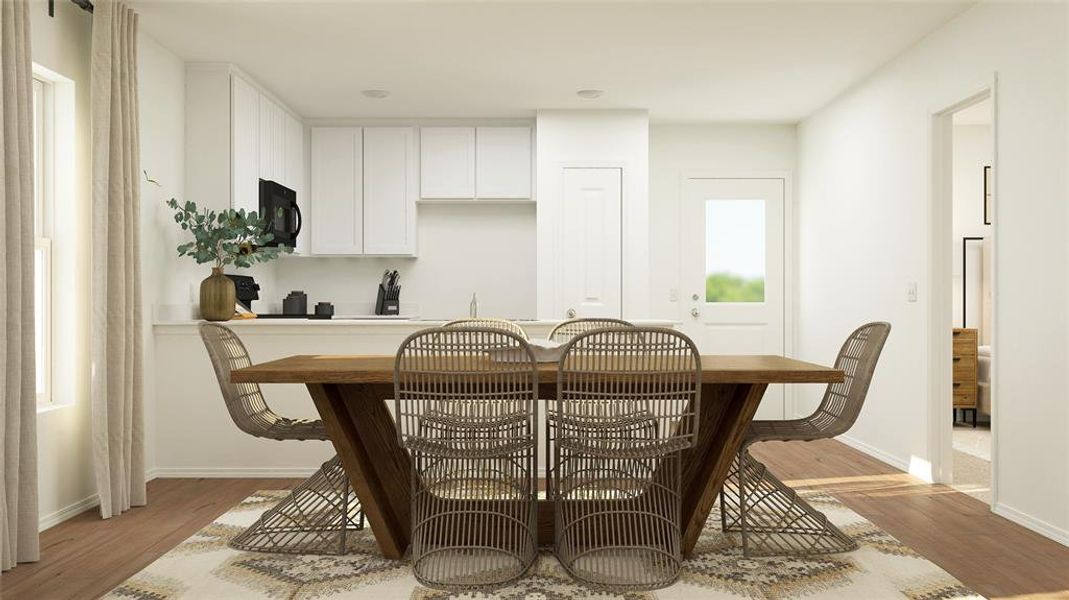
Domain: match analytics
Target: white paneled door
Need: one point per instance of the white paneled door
(591, 271)
(732, 241)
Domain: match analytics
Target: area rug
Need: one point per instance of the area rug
(204, 567)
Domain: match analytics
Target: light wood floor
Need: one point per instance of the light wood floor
(85, 557)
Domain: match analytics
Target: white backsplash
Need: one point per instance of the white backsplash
(486, 249)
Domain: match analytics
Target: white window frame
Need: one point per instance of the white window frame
(44, 193)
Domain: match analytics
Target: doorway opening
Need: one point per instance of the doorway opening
(966, 438)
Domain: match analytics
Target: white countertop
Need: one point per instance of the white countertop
(387, 322)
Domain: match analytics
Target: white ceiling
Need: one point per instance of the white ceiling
(775, 62)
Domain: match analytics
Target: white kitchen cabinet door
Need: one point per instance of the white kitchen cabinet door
(503, 162)
(244, 145)
(390, 190)
(272, 141)
(447, 162)
(592, 274)
(295, 180)
(337, 191)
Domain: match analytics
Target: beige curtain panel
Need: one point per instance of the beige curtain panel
(118, 419)
(18, 388)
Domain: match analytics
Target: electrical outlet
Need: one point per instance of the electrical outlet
(673, 295)
(911, 291)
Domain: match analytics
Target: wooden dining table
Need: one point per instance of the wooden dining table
(352, 395)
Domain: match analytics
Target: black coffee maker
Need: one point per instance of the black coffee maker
(247, 289)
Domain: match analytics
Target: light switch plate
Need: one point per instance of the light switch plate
(911, 291)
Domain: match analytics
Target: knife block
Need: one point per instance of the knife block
(384, 306)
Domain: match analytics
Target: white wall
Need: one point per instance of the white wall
(486, 249)
(161, 89)
(593, 138)
(972, 150)
(65, 469)
(863, 228)
(679, 150)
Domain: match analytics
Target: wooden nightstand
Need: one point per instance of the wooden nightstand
(965, 392)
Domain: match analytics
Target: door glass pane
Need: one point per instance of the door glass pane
(735, 251)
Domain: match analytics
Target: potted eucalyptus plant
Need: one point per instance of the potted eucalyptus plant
(228, 237)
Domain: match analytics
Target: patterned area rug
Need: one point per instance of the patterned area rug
(203, 567)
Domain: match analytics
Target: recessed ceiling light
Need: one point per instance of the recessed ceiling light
(377, 94)
(590, 94)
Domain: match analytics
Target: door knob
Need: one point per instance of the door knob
(571, 313)
(694, 312)
(694, 297)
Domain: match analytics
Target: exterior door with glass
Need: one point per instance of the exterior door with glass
(732, 241)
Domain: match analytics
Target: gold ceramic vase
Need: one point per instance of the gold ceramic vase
(217, 297)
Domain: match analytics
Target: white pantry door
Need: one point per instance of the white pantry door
(590, 241)
(732, 279)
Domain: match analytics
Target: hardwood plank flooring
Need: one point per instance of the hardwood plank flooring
(988, 553)
(85, 557)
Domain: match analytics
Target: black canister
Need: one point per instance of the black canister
(324, 309)
(295, 304)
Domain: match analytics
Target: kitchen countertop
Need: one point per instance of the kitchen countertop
(380, 321)
(188, 325)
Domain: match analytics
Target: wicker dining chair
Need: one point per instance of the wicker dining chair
(615, 479)
(467, 411)
(320, 513)
(492, 323)
(772, 518)
(566, 330)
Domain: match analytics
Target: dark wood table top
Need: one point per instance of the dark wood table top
(338, 369)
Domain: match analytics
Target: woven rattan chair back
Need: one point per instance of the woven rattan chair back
(491, 323)
(770, 516)
(244, 401)
(857, 358)
(467, 411)
(320, 515)
(608, 375)
(626, 408)
(567, 330)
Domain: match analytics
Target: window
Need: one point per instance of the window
(43, 187)
(735, 251)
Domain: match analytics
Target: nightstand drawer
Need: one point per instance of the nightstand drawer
(965, 341)
(964, 369)
(964, 399)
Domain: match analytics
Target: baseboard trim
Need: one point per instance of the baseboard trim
(1029, 522)
(243, 472)
(875, 452)
(61, 515)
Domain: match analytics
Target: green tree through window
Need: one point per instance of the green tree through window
(728, 287)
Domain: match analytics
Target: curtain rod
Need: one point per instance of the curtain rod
(86, 5)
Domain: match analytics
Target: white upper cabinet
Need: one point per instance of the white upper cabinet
(272, 141)
(364, 188)
(245, 145)
(447, 162)
(337, 220)
(503, 162)
(267, 142)
(390, 190)
(295, 179)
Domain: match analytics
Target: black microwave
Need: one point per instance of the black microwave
(281, 215)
